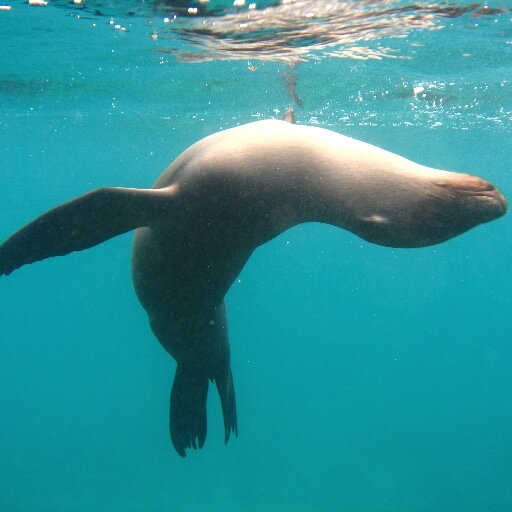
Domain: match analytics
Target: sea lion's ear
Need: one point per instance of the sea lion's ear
(82, 223)
(289, 116)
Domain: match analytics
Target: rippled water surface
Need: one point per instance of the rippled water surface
(368, 379)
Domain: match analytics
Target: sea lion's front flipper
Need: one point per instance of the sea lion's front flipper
(82, 223)
(188, 408)
(289, 116)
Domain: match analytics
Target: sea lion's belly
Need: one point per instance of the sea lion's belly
(173, 273)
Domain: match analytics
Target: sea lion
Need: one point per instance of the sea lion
(222, 198)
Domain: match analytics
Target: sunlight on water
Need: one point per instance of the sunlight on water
(288, 31)
(299, 30)
(280, 47)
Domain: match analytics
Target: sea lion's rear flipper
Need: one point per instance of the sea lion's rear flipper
(188, 408)
(82, 223)
(188, 404)
(226, 389)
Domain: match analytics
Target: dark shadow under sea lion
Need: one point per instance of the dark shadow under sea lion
(222, 198)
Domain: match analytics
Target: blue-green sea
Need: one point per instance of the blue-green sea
(368, 379)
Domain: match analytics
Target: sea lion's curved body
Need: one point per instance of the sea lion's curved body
(223, 197)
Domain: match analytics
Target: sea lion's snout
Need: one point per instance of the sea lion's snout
(491, 204)
(481, 199)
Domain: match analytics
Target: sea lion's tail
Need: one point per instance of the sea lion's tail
(82, 223)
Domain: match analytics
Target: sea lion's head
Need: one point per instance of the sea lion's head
(433, 210)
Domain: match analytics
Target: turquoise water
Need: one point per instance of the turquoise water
(368, 379)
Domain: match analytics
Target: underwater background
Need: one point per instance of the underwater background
(368, 379)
